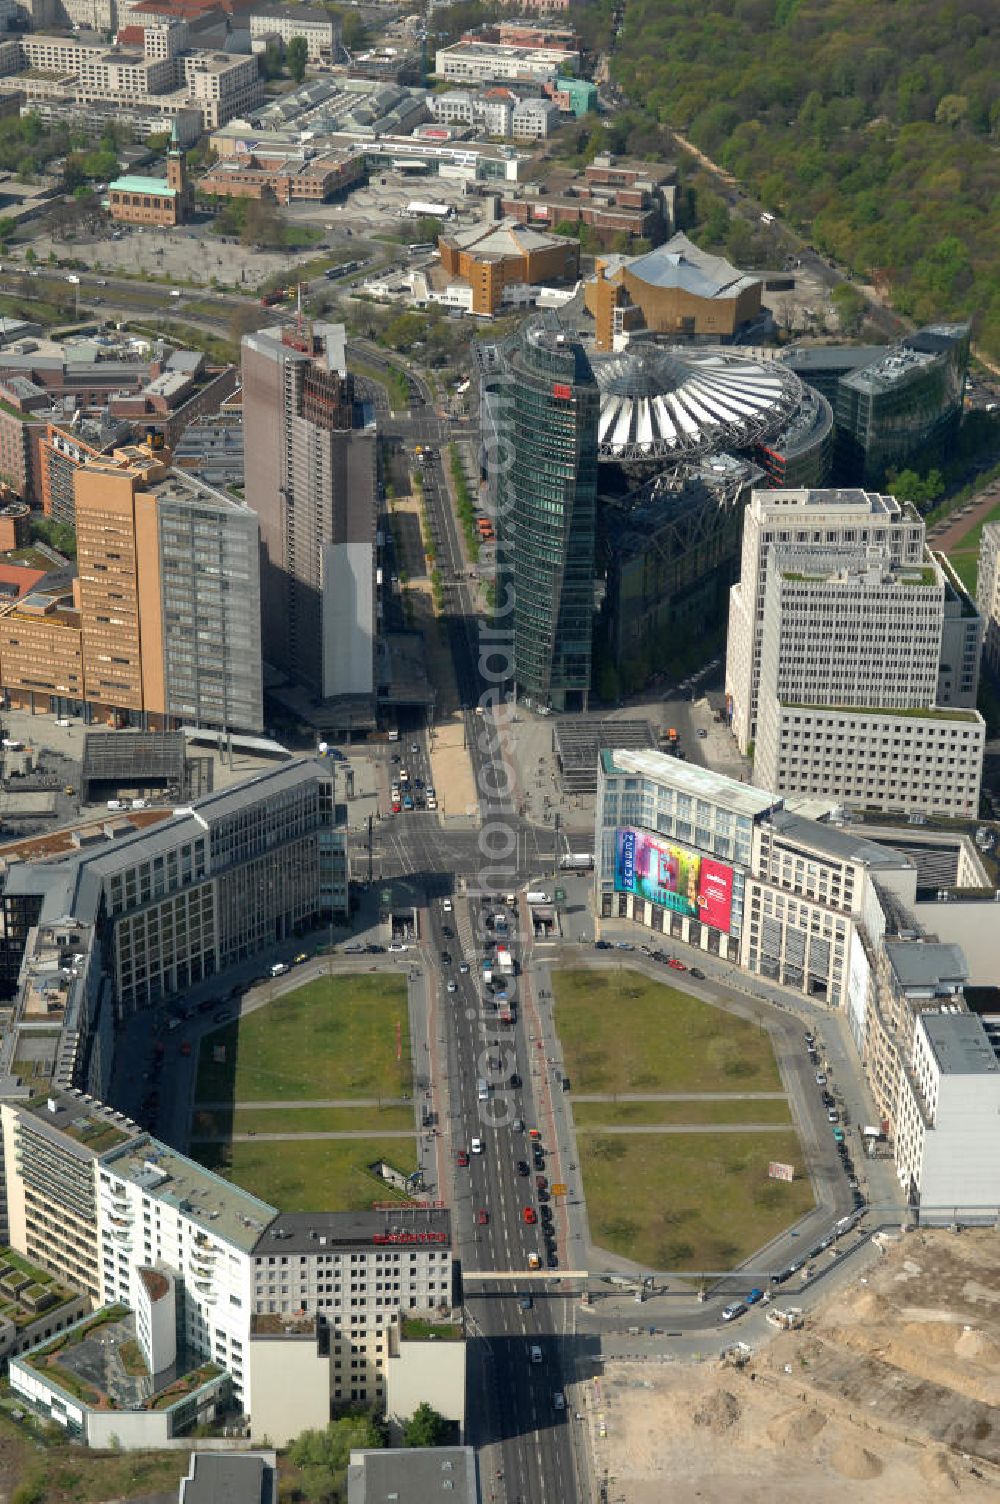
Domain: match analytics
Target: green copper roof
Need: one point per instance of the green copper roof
(143, 185)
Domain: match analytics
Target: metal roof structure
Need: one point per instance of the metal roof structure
(662, 404)
(577, 742)
(133, 759)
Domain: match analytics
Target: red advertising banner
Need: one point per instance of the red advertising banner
(563, 392)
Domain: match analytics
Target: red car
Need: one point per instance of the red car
(541, 1183)
(530, 1215)
(396, 807)
(534, 1133)
(677, 965)
(482, 1216)
(461, 1159)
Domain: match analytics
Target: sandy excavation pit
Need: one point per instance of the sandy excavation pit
(893, 1385)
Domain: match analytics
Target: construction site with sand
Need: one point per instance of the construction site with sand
(891, 1386)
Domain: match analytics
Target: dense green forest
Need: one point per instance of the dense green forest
(872, 125)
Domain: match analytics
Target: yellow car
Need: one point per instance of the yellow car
(303, 955)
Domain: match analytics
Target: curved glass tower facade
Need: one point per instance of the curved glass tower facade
(546, 511)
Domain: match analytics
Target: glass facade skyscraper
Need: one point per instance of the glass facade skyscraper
(547, 405)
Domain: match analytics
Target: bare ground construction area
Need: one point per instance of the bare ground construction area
(890, 1392)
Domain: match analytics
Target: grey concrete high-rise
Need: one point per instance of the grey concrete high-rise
(311, 478)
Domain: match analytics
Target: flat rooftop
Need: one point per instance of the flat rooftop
(307, 1232)
(927, 963)
(960, 1044)
(831, 840)
(700, 783)
(214, 1204)
(413, 1474)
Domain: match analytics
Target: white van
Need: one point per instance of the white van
(482, 1087)
(279, 968)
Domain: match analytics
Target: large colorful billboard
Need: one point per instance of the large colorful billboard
(674, 876)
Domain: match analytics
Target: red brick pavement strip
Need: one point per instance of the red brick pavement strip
(956, 531)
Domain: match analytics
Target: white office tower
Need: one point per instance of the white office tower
(851, 653)
(849, 519)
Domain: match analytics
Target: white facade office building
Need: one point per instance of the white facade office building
(947, 1130)
(850, 666)
(801, 519)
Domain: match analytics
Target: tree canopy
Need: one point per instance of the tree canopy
(871, 125)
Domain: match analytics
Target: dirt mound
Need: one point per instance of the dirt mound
(853, 1461)
(718, 1412)
(938, 1473)
(796, 1428)
(868, 1306)
(974, 1345)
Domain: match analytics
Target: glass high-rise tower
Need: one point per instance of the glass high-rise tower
(547, 407)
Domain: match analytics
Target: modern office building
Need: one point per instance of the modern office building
(668, 552)
(548, 409)
(829, 913)
(674, 846)
(312, 481)
(806, 518)
(988, 593)
(908, 401)
(850, 665)
(949, 1105)
(162, 624)
(161, 908)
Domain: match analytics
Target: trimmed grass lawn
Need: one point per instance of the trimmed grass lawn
(964, 555)
(332, 1037)
(615, 1114)
(621, 1031)
(312, 1174)
(689, 1202)
(303, 1120)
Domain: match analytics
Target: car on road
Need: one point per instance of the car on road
(603, 945)
(702, 733)
(452, 986)
(559, 1400)
(838, 1134)
(820, 1078)
(414, 750)
(753, 1296)
(698, 974)
(407, 802)
(552, 1259)
(303, 955)
(461, 1159)
(534, 1134)
(832, 1115)
(624, 945)
(515, 1080)
(446, 958)
(397, 808)
(535, 1353)
(677, 965)
(397, 947)
(476, 1146)
(447, 905)
(522, 1167)
(482, 1216)
(810, 1039)
(464, 968)
(730, 1313)
(526, 1303)
(530, 1216)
